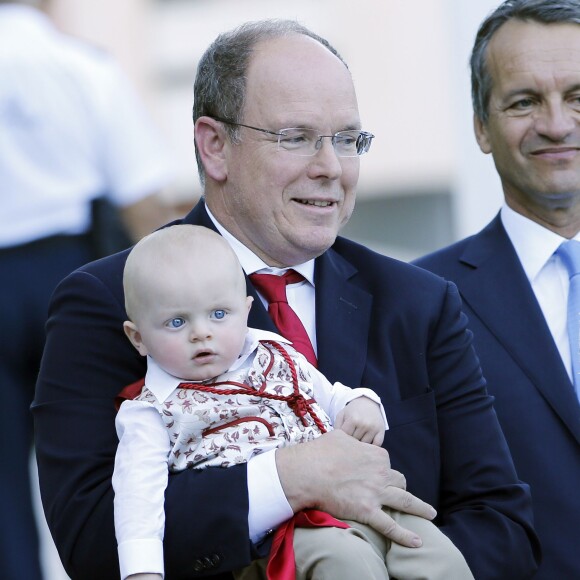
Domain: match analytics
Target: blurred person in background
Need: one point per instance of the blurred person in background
(76, 147)
(513, 275)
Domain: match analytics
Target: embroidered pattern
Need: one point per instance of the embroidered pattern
(244, 413)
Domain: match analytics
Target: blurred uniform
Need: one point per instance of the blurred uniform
(71, 130)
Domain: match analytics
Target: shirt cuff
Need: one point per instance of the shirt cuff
(268, 506)
(141, 556)
(369, 394)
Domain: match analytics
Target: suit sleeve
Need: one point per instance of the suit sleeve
(483, 507)
(87, 361)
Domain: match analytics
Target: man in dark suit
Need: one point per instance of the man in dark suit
(512, 279)
(279, 196)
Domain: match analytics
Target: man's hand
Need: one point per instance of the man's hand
(362, 418)
(349, 480)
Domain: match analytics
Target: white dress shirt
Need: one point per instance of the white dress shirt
(71, 129)
(141, 470)
(535, 246)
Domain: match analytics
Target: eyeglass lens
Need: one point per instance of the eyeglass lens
(306, 142)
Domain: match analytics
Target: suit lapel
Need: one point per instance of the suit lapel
(259, 317)
(342, 320)
(494, 285)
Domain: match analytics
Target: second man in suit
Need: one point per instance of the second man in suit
(512, 275)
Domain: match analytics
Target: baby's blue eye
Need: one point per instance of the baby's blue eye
(176, 323)
(219, 314)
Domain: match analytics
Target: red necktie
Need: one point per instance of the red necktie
(273, 288)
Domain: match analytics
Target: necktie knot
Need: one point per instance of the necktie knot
(569, 252)
(273, 287)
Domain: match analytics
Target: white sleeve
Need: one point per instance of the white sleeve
(268, 506)
(139, 481)
(334, 397)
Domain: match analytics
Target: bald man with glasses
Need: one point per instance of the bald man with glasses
(279, 196)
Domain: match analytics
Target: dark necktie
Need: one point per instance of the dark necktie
(570, 253)
(273, 288)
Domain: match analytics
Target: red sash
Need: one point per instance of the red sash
(282, 565)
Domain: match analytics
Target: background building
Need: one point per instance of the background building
(425, 182)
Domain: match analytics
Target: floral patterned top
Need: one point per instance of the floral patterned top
(224, 421)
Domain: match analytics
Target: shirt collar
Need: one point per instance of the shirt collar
(533, 243)
(162, 384)
(252, 263)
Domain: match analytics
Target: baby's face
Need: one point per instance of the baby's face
(194, 324)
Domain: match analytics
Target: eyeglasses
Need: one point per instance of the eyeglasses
(306, 142)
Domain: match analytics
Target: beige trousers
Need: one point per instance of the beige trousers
(361, 553)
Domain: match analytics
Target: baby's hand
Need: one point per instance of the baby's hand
(362, 418)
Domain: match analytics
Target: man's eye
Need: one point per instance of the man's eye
(346, 140)
(219, 314)
(293, 139)
(522, 104)
(176, 323)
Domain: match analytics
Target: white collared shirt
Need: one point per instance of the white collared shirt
(535, 246)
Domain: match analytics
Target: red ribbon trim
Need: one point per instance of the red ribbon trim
(282, 565)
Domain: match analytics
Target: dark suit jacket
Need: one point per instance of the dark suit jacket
(535, 402)
(380, 324)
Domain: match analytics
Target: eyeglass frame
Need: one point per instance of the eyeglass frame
(318, 143)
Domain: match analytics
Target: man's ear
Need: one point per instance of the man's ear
(211, 141)
(134, 336)
(481, 134)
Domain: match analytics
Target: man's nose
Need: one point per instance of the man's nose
(556, 121)
(326, 160)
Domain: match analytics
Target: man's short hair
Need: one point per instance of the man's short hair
(543, 11)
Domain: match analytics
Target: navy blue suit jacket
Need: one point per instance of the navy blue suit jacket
(534, 397)
(380, 324)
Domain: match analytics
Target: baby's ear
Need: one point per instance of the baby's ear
(134, 336)
(249, 300)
